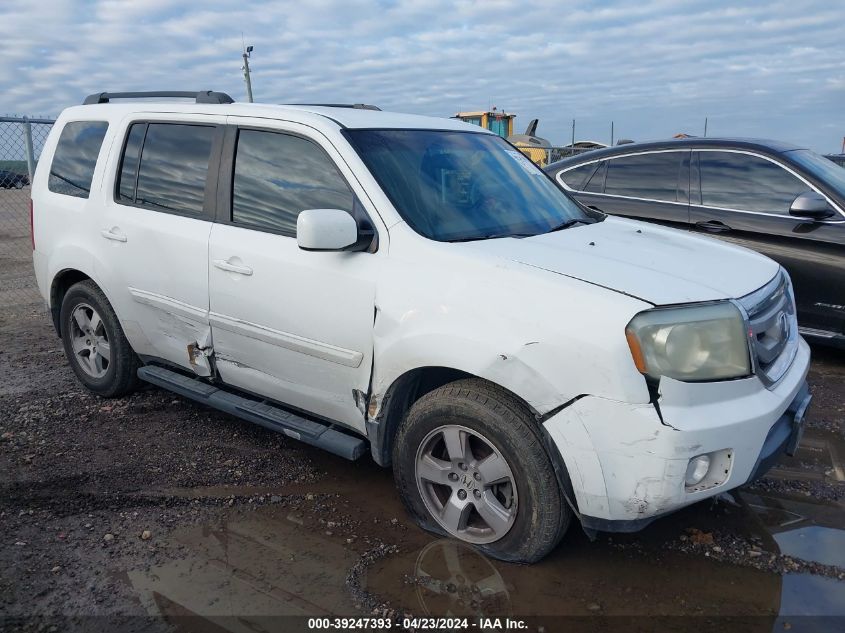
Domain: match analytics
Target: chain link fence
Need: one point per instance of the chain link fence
(542, 156)
(21, 140)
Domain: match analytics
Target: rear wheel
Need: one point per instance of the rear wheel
(469, 463)
(95, 344)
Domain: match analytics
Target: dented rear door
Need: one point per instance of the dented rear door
(158, 211)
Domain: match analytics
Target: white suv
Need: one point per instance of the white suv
(363, 280)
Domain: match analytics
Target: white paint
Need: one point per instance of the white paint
(657, 264)
(544, 317)
(346, 357)
(325, 229)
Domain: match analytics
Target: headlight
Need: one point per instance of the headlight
(703, 342)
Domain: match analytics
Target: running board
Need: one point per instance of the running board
(260, 412)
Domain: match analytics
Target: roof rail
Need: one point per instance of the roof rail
(203, 96)
(356, 106)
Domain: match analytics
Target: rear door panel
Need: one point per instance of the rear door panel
(158, 259)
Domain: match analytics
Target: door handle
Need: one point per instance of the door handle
(712, 226)
(111, 234)
(222, 264)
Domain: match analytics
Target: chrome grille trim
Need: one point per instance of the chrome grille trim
(772, 328)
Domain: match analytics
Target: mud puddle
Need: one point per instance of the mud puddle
(343, 547)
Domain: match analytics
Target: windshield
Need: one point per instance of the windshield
(453, 186)
(825, 170)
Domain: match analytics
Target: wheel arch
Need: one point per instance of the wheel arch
(60, 284)
(386, 412)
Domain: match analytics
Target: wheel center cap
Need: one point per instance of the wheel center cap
(468, 482)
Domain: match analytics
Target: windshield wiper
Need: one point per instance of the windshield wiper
(491, 236)
(567, 223)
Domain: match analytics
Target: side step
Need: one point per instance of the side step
(260, 412)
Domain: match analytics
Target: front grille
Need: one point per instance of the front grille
(772, 328)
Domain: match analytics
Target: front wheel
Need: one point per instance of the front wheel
(469, 463)
(95, 344)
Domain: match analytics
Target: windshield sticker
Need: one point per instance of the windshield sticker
(523, 161)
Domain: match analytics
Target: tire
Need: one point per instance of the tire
(100, 355)
(502, 470)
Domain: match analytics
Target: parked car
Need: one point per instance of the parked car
(416, 288)
(839, 159)
(12, 179)
(781, 200)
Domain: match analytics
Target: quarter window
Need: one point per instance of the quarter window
(732, 180)
(75, 158)
(574, 178)
(129, 163)
(279, 175)
(172, 170)
(651, 176)
(596, 182)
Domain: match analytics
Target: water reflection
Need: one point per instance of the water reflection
(453, 580)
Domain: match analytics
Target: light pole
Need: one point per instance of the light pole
(246, 55)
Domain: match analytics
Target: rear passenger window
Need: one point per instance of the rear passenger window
(76, 157)
(278, 175)
(651, 176)
(172, 170)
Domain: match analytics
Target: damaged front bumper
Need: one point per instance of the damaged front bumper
(627, 463)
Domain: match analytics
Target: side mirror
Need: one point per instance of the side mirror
(811, 205)
(326, 230)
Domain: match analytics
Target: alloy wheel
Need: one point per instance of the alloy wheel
(466, 484)
(90, 341)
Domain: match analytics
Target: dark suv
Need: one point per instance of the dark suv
(781, 200)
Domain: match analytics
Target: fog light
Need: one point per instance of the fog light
(697, 470)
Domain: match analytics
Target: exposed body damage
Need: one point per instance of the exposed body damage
(627, 465)
(496, 320)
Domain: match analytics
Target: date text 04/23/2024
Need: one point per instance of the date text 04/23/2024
(418, 624)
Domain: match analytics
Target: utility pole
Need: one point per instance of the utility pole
(247, 52)
(573, 135)
(705, 127)
(611, 133)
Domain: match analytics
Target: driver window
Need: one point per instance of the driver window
(279, 175)
(732, 180)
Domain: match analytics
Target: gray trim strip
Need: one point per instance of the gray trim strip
(317, 349)
(169, 305)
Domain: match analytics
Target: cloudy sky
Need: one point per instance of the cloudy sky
(654, 67)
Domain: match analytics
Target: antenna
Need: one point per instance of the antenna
(247, 52)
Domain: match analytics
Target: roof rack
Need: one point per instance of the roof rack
(355, 106)
(203, 96)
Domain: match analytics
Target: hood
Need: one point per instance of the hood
(659, 265)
